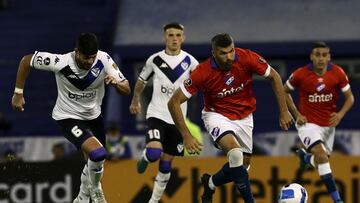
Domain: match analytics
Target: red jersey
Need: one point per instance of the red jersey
(228, 92)
(318, 94)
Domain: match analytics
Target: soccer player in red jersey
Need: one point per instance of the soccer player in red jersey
(225, 80)
(318, 84)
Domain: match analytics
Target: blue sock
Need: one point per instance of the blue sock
(240, 177)
(329, 182)
(307, 158)
(223, 176)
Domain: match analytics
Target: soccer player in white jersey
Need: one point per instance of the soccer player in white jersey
(81, 76)
(319, 83)
(168, 68)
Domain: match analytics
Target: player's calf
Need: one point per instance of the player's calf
(239, 174)
(149, 155)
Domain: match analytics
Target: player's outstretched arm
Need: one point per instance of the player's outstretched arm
(192, 145)
(135, 106)
(348, 103)
(300, 119)
(18, 101)
(285, 118)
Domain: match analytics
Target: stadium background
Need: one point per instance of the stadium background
(281, 31)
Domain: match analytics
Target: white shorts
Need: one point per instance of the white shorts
(311, 134)
(218, 125)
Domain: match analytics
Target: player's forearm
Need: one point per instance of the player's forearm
(123, 88)
(139, 88)
(278, 89)
(348, 103)
(291, 105)
(23, 71)
(177, 116)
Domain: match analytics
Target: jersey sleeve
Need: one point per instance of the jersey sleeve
(294, 80)
(193, 84)
(258, 64)
(48, 61)
(194, 64)
(343, 80)
(112, 69)
(147, 71)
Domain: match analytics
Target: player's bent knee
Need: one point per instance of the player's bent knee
(153, 154)
(235, 157)
(98, 154)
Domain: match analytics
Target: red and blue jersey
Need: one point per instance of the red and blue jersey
(318, 94)
(228, 92)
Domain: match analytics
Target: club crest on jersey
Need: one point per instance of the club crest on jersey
(229, 79)
(95, 71)
(184, 65)
(180, 147)
(320, 87)
(187, 82)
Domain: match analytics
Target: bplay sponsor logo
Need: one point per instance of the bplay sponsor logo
(84, 95)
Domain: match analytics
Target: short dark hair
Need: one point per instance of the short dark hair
(320, 44)
(87, 43)
(221, 40)
(175, 25)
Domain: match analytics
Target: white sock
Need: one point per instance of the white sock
(96, 170)
(324, 168)
(84, 194)
(211, 184)
(85, 181)
(160, 183)
(312, 161)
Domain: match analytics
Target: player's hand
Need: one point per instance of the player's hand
(110, 80)
(192, 145)
(135, 108)
(301, 119)
(335, 118)
(18, 102)
(286, 120)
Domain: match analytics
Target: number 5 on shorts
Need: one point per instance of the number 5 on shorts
(76, 131)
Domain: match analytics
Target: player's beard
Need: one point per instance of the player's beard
(82, 65)
(226, 65)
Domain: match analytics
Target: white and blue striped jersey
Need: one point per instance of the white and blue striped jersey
(168, 73)
(80, 92)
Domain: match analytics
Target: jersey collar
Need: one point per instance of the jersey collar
(311, 66)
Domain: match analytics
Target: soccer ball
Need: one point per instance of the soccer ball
(293, 193)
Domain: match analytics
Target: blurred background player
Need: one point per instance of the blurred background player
(117, 145)
(318, 84)
(81, 76)
(59, 152)
(225, 79)
(195, 131)
(168, 68)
